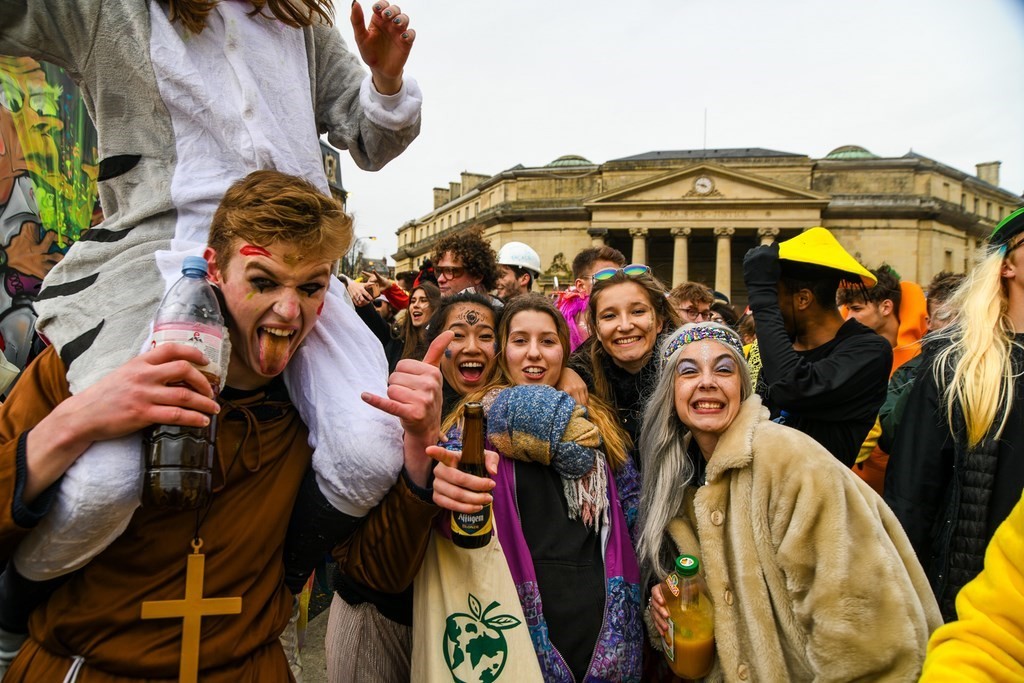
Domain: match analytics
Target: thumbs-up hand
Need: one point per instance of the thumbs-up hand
(414, 397)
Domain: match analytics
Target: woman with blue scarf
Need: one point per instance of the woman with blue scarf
(564, 502)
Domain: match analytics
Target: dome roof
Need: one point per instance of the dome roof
(850, 152)
(570, 160)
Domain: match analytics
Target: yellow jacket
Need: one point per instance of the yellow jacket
(987, 642)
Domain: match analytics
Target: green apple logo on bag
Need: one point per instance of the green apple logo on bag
(474, 645)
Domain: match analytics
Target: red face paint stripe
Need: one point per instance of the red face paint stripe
(253, 250)
(320, 308)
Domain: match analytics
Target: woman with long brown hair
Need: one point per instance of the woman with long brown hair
(627, 312)
(407, 339)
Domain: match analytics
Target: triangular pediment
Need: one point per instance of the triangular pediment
(704, 183)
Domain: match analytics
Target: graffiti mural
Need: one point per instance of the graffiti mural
(48, 170)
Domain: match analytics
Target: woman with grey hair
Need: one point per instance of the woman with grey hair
(811, 575)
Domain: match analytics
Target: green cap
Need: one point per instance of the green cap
(687, 565)
(1009, 227)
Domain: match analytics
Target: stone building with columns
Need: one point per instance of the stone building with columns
(693, 214)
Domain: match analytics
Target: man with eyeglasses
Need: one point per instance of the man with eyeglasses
(692, 301)
(465, 261)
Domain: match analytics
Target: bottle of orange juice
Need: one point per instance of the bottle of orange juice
(690, 639)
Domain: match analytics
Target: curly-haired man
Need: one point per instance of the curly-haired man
(465, 260)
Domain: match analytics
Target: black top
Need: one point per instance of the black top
(569, 564)
(381, 330)
(833, 392)
(925, 447)
(950, 498)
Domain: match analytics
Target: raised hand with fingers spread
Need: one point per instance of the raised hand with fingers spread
(384, 44)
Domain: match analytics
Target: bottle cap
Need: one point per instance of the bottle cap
(194, 263)
(687, 565)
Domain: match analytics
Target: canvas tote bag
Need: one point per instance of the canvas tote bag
(468, 625)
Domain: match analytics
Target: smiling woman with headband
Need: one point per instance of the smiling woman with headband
(808, 570)
(626, 312)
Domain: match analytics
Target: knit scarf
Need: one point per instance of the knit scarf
(541, 424)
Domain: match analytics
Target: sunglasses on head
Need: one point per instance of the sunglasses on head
(632, 270)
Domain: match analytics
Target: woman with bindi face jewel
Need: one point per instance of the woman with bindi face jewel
(360, 614)
(808, 569)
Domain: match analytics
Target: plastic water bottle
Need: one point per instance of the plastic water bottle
(179, 460)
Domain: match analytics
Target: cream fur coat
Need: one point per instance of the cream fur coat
(811, 574)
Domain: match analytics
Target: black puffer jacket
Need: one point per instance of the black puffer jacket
(950, 499)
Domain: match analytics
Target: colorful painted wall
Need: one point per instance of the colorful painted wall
(48, 168)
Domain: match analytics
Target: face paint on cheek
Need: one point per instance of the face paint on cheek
(253, 250)
(320, 308)
(448, 354)
(250, 295)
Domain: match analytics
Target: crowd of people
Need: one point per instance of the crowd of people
(810, 490)
(839, 456)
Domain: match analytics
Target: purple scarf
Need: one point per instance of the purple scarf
(617, 653)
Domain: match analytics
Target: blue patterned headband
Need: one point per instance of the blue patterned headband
(700, 332)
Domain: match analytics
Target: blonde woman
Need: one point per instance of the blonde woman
(954, 475)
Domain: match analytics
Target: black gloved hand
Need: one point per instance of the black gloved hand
(761, 273)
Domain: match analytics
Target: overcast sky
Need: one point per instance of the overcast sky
(509, 82)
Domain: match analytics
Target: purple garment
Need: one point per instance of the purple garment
(618, 651)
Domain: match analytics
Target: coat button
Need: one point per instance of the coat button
(742, 672)
(728, 596)
(717, 518)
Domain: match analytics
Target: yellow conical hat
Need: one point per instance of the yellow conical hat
(818, 247)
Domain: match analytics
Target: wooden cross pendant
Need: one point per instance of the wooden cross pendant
(192, 609)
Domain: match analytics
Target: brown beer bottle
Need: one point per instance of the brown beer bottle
(472, 529)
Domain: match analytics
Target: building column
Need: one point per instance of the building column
(767, 235)
(597, 236)
(680, 255)
(723, 260)
(639, 236)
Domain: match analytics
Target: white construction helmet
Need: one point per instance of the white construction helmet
(521, 256)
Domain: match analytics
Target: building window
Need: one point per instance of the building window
(458, 216)
(963, 201)
(476, 208)
(1001, 209)
(988, 210)
(945, 191)
(948, 261)
(977, 203)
